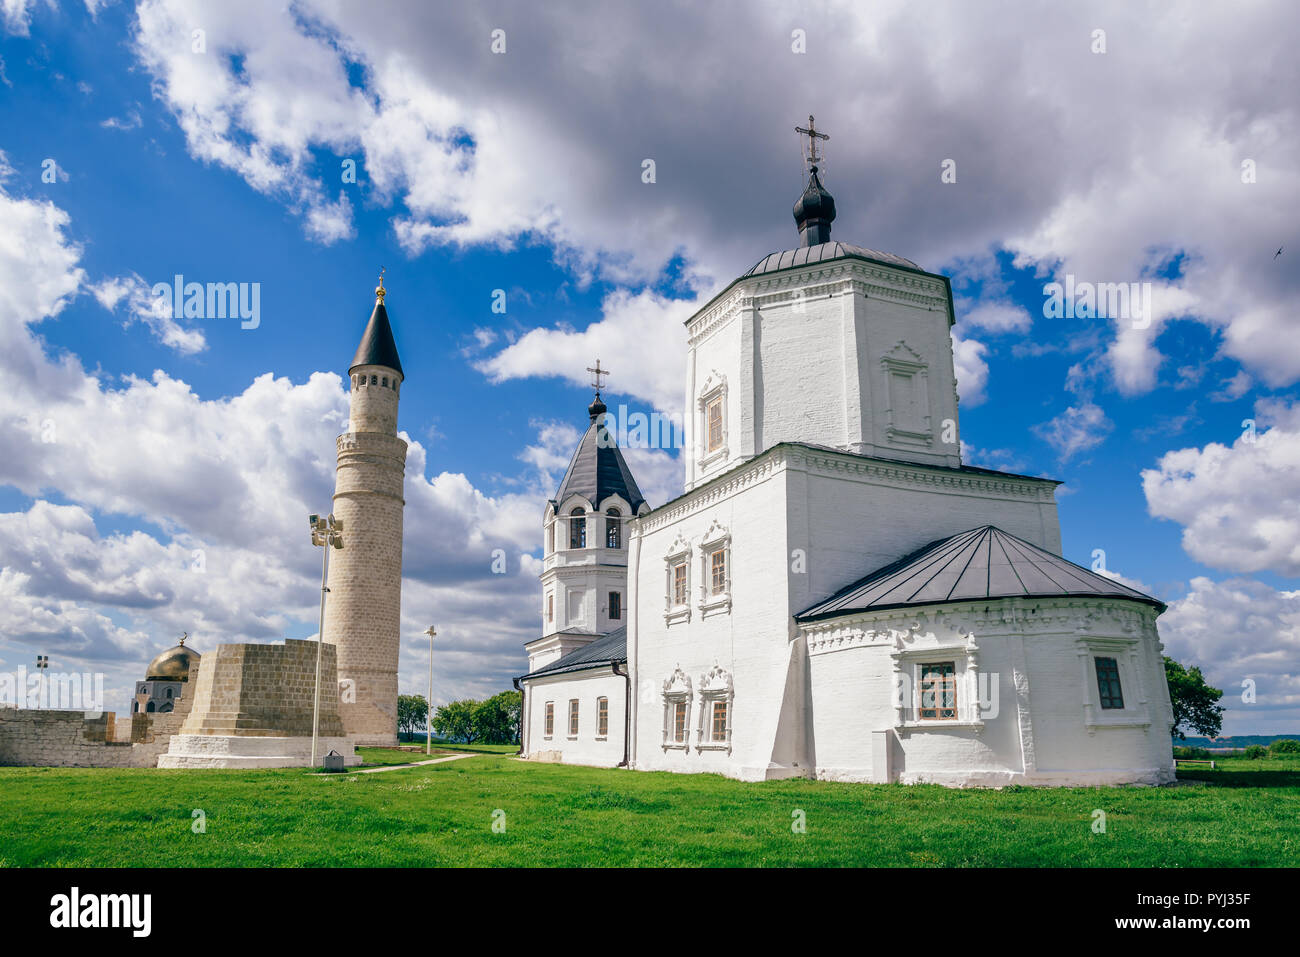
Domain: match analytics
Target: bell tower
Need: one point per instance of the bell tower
(363, 610)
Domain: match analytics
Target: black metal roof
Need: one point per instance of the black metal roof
(377, 347)
(603, 651)
(597, 469)
(824, 252)
(977, 565)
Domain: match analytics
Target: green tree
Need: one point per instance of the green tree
(455, 720)
(497, 718)
(1195, 702)
(411, 712)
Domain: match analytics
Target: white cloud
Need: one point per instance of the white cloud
(1076, 430)
(1236, 630)
(1239, 505)
(154, 312)
(638, 336)
(971, 368)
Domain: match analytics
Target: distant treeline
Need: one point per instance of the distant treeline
(494, 720)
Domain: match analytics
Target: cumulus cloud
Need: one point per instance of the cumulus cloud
(1238, 630)
(639, 336)
(538, 143)
(1239, 504)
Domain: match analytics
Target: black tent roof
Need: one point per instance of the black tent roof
(597, 469)
(377, 347)
(980, 564)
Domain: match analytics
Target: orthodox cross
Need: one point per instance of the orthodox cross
(597, 372)
(814, 157)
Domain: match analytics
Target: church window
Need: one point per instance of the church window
(679, 584)
(550, 608)
(550, 718)
(602, 717)
(374, 380)
(939, 691)
(615, 606)
(719, 729)
(714, 419)
(677, 710)
(718, 572)
(550, 538)
(612, 528)
(573, 717)
(715, 711)
(578, 528)
(1108, 688)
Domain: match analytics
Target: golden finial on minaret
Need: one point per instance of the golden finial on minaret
(184, 635)
(380, 290)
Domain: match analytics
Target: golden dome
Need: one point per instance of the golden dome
(173, 664)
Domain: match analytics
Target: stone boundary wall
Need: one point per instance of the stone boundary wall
(77, 739)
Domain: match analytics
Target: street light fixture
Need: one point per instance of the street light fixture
(42, 662)
(325, 534)
(428, 711)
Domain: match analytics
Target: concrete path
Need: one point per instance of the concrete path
(416, 764)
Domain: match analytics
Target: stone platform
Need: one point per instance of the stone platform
(252, 708)
(240, 751)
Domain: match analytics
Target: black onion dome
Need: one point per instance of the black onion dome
(814, 212)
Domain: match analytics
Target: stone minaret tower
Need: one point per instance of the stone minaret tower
(363, 610)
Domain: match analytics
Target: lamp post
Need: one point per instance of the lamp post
(428, 710)
(42, 662)
(325, 534)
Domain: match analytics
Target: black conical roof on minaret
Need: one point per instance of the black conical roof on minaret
(377, 346)
(597, 469)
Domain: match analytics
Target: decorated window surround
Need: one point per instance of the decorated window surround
(717, 538)
(677, 690)
(1126, 652)
(715, 387)
(907, 684)
(679, 554)
(902, 360)
(715, 685)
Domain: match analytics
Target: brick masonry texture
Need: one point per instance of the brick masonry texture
(363, 608)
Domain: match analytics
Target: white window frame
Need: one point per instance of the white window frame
(1127, 653)
(677, 690)
(574, 718)
(902, 360)
(715, 387)
(548, 716)
(907, 685)
(715, 685)
(680, 554)
(605, 736)
(716, 539)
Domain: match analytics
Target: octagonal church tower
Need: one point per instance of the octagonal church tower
(364, 606)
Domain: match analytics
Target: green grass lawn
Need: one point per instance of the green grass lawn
(1247, 813)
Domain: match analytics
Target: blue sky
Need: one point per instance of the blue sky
(521, 171)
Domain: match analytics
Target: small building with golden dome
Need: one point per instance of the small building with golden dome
(165, 679)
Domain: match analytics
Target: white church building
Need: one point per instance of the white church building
(835, 595)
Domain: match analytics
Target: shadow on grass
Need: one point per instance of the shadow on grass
(1243, 779)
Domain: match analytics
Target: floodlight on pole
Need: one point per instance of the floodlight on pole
(428, 710)
(325, 534)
